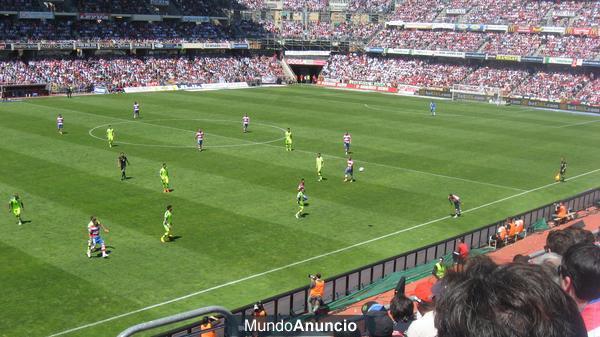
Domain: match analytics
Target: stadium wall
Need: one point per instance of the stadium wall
(294, 302)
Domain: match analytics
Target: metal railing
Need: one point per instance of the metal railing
(294, 302)
(230, 324)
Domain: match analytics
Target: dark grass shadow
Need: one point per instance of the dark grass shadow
(25, 221)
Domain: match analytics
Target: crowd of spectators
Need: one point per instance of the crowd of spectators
(588, 15)
(431, 40)
(311, 5)
(252, 4)
(571, 46)
(20, 5)
(554, 86)
(523, 44)
(393, 71)
(202, 8)
(507, 79)
(114, 6)
(513, 43)
(418, 10)
(515, 80)
(590, 94)
(118, 72)
(355, 31)
(530, 12)
(370, 6)
(108, 30)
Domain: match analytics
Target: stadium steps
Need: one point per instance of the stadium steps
(482, 47)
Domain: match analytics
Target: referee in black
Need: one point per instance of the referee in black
(123, 162)
(563, 169)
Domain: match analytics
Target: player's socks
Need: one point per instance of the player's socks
(88, 253)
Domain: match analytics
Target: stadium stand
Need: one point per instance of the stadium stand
(118, 72)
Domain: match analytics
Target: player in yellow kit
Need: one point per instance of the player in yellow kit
(320, 163)
(168, 225)
(15, 206)
(288, 140)
(164, 178)
(110, 135)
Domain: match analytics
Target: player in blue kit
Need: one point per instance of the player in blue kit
(432, 107)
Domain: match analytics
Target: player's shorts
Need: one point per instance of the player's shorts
(60, 126)
(165, 180)
(288, 141)
(200, 141)
(97, 240)
(457, 205)
(346, 146)
(110, 139)
(301, 208)
(319, 171)
(245, 125)
(348, 170)
(17, 211)
(167, 228)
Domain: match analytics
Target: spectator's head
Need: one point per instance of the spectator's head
(516, 300)
(521, 258)
(580, 272)
(559, 241)
(402, 309)
(378, 322)
(480, 265)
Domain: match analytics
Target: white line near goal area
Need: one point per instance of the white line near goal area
(207, 290)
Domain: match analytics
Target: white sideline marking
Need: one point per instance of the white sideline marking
(305, 260)
(576, 124)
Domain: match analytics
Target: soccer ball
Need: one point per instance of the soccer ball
(361, 169)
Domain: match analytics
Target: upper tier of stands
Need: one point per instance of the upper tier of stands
(582, 13)
(524, 44)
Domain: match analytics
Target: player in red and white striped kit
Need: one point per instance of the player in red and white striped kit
(60, 123)
(349, 172)
(199, 139)
(347, 141)
(94, 228)
(245, 123)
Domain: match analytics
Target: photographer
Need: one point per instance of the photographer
(317, 290)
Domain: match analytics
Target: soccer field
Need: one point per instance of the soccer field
(234, 203)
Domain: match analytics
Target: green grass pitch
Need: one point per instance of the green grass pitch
(234, 204)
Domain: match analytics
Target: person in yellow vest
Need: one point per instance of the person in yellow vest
(206, 324)
(317, 290)
(439, 269)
